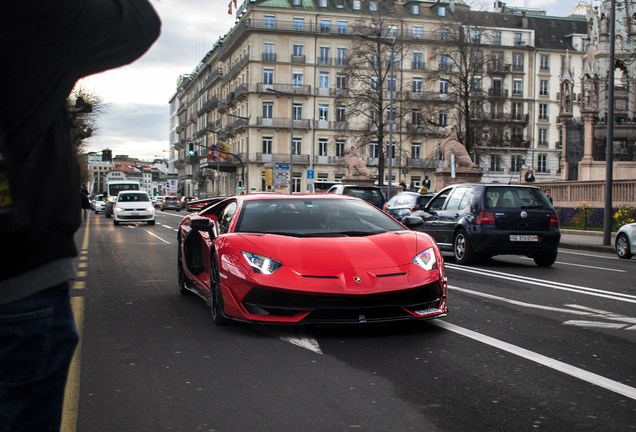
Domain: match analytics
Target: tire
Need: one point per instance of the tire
(547, 259)
(181, 274)
(151, 222)
(462, 249)
(163, 209)
(216, 298)
(179, 210)
(115, 222)
(622, 246)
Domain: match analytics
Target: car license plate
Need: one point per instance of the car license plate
(135, 214)
(524, 238)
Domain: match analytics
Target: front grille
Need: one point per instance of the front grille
(134, 217)
(343, 308)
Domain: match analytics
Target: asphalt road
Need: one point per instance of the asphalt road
(523, 349)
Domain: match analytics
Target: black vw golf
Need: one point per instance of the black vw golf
(483, 220)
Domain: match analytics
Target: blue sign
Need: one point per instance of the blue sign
(310, 174)
(283, 167)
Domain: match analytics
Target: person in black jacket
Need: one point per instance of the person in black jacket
(45, 47)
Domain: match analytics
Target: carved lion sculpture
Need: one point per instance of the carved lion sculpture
(450, 145)
(352, 160)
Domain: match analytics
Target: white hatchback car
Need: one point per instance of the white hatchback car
(625, 242)
(133, 206)
(99, 205)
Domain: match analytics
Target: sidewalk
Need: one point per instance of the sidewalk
(585, 240)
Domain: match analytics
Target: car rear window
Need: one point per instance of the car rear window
(516, 198)
(373, 196)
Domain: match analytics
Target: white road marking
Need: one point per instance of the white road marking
(582, 265)
(546, 284)
(575, 372)
(166, 226)
(295, 336)
(606, 256)
(576, 310)
(155, 235)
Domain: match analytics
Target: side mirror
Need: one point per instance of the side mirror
(412, 221)
(202, 224)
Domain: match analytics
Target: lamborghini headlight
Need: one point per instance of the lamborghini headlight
(426, 259)
(262, 264)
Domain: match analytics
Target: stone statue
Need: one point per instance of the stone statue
(450, 145)
(565, 98)
(353, 161)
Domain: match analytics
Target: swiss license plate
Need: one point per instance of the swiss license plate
(134, 214)
(524, 238)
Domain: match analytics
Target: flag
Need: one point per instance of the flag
(235, 7)
(229, 11)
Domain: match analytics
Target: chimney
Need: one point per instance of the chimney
(524, 20)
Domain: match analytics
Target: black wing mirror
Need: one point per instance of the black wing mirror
(412, 221)
(202, 224)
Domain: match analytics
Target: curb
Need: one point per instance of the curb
(586, 233)
(586, 247)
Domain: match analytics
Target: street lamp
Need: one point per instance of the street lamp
(247, 151)
(291, 148)
(392, 78)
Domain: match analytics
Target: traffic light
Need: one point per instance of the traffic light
(107, 155)
(240, 185)
(191, 148)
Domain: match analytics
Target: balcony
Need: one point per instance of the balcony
(216, 74)
(283, 123)
(181, 108)
(329, 160)
(499, 68)
(282, 158)
(298, 59)
(498, 92)
(179, 163)
(418, 66)
(269, 57)
(420, 128)
(324, 61)
(235, 69)
(222, 106)
(288, 88)
(206, 107)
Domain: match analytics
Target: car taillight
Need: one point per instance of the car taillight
(163, 201)
(178, 202)
(554, 220)
(485, 218)
(386, 207)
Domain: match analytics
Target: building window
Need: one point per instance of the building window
(325, 25)
(269, 22)
(517, 111)
(298, 50)
(392, 149)
(443, 118)
(323, 112)
(341, 82)
(373, 6)
(543, 111)
(542, 163)
(297, 111)
(374, 82)
(323, 80)
(443, 34)
(267, 145)
(323, 147)
(562, 63)
(417, 85)
(297, 79)
(391, 83)
(392, 31)
(418, 31)
(268, 109)
(342, 27)
(340, 148)
(324, 56)
(416, 151)
(476, 36)
(340, 4)
(416, 117)
(299, 23)
(517, 61)
(268, 76)
(444, 64)
(543, 88)
(373, 150)
(341, 114)
(476, 84)
(268, 52)
(297, 2)
(417, 61)
(297, 146)
(515, 163)
(545, 63)
(543, 137)
(323, 3)
(475, 59)
(415, 9)
(496, 38)
(341, 56)
(443, 86)
(517, 87)
(441, 11)
(356, 4)
(518, 41)
(495, 163)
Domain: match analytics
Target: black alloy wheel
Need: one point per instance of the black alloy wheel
(216, 298)
(462, 249)
(622, 246)
(546, 259)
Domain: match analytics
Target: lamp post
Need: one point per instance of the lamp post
(391, 122)
(291, 148)
(247, 151)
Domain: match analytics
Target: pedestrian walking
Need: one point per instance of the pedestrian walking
(86, 204)
(547, 193)
(73, 39)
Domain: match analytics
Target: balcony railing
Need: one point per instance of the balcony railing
(288, 88)
(330, 160)
(498, 92)
(281, 158)
(298, 59)
(281, 122)
(269, 57)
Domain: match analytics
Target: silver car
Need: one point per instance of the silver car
(625, 242)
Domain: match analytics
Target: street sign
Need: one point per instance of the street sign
(283, 167)
(452, 163)
(281, 182)
(269, 165)
(405, 171)
(280, 177)
(310, 174)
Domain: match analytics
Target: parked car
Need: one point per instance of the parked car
(170, 203)
(371, 194)
(200, 204)
(299, 259)
(133, 206)
(405, 203)
(625, 242)
(483, 220)
(98, 204)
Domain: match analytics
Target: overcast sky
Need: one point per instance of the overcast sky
(137, 95)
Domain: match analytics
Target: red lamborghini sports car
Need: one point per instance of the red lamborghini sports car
(308, 259)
